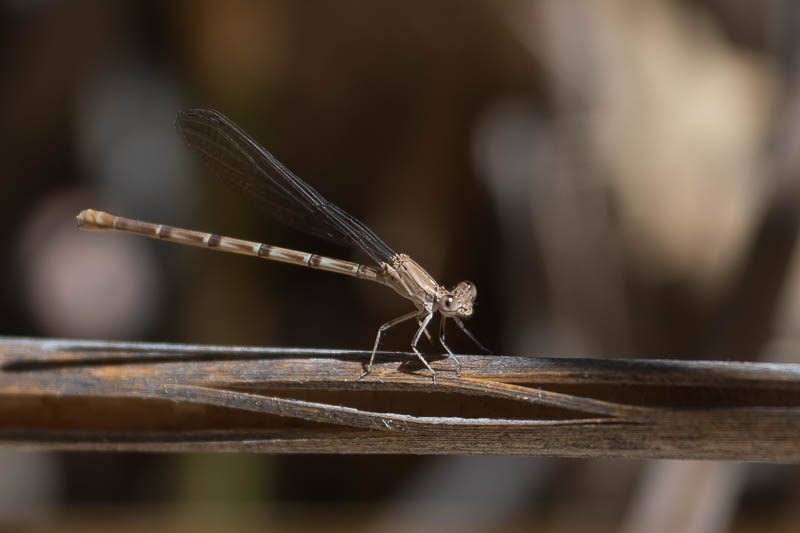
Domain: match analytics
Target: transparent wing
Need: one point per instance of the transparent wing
(255, 173)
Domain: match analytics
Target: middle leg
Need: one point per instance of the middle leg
(408, 316)
(422, 327)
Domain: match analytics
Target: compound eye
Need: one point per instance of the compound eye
(448, 302)
(471, 289)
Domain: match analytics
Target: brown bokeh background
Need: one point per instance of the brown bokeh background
(619, 178)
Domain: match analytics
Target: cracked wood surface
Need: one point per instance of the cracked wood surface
(92, 395)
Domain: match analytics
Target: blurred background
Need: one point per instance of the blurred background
(619, 178)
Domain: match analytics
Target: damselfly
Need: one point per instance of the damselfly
(247, 167)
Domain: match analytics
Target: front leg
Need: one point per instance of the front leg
(446, 347)
(470, 335)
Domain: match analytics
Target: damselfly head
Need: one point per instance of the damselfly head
(460, 301)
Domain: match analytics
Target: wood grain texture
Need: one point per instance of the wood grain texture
(88, 395)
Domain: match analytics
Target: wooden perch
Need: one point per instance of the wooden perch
(85, 395)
